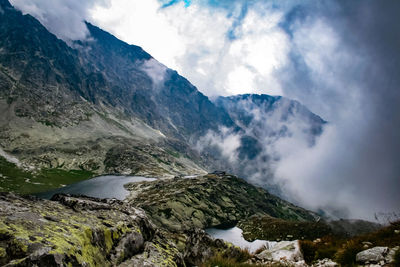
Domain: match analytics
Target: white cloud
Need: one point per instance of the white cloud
(65, 19)
(260, 49)
(141, 23)
(155, 70)
(225, 140)
(193, 40)
(238, 79)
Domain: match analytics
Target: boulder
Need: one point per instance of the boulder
(157, 252)
(284, 250)
(372, 255)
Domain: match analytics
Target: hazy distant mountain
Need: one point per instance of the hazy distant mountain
(263, 113)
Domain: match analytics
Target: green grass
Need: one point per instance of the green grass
(20, 181)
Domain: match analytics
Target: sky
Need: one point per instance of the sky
(339, 58)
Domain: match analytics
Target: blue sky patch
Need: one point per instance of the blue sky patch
(167, 3)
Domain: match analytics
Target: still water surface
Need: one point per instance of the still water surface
(234, 236)
(109, 186)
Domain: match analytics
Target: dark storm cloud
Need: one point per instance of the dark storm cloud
(344, 65)
(357, 89)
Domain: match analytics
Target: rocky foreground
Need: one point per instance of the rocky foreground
(161, 223)
(84, 231)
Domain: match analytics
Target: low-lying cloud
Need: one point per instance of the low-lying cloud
(342, 62)
(155, 70)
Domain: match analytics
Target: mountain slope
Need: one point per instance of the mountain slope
(146, 88)
(60, 111)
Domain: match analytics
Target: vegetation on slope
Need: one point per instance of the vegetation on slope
(344, 251)
(209, 201)
(15, 179)
(270, 228)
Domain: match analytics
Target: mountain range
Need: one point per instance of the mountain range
(100, 105)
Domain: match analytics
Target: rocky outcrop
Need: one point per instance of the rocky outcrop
(212, 200)
(159, 252)
(285, 250)
(372, 255)
(79, 231)
(85, 231)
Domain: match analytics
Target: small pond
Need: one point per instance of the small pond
(109, 186)
(234, 236)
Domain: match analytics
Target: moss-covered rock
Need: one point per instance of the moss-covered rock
(70, 231)
(212, 200)
(86, 231)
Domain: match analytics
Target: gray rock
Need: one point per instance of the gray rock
(372, 255)
(390, 256)
(285, 250)
(130, 245)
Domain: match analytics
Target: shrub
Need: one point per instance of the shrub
(243, 255)
(230, 257)
(396, 261)
(326, 252)
(222, 261)
(308, 249)
(346, 256)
